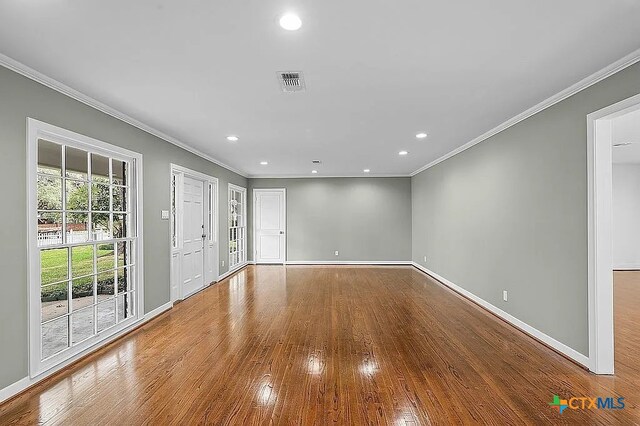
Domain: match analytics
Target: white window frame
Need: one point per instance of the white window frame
(39, 130)
(243, 191)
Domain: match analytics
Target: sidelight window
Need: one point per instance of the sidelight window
(237, 225)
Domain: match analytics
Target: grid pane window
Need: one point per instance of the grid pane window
(237, 225)
(100, 168)
(212, 226)
(86, 244)
(75, 163)
(56, 303)
(82, 325)
(55, 336)
(174, 211)
(125, 306)
(106, 312)
(100, 197)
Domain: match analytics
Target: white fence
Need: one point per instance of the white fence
(53, 238)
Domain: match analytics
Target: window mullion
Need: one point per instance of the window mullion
(63, 177)
(111, 197)
(94, 308)
(89, 197)
(115, 279)
(94, 302)
(69, 296)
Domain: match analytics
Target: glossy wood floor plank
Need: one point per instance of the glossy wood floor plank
(333, 345)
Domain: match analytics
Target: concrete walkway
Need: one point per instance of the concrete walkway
(55, 335)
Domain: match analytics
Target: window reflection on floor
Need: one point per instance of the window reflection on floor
(237, 287)
(80, 385)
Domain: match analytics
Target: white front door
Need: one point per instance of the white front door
(270, 225)
(193, 236)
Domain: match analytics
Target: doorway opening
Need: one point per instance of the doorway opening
(613, 144)
(194, 231)
(269, 225)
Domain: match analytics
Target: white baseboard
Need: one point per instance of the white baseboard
(26, 382)
(15, 388)
(157, 311)
(548, 340)
(234, 270)
(348, 262)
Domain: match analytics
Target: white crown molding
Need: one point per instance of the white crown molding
(594, 78)
(318, 176)
(51, 83)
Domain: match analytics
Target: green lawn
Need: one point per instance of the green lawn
(54, 263)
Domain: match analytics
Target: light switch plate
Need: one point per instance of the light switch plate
(164, 214)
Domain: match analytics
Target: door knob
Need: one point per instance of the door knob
(281, 232)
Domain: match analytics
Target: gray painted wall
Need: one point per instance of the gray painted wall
(511, 214)
(21, 98)
(362, 218)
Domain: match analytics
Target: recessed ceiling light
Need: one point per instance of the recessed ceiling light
(290, 22)
(232, 138)
(264, 163)
(421, 135)
(314, 171)
(403, 153)
(366, 170)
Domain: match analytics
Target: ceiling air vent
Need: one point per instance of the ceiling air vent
(291, 81)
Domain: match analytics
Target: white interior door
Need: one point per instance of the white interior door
(193, 236)
(270, 225)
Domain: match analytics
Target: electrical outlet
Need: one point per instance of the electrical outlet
(425, 258)
(505, 296)
(337, 253)
(223, 263)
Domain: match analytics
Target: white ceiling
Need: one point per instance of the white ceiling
(377, 72)
(625, 129)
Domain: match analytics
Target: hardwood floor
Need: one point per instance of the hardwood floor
(627, 328)
(344, 345)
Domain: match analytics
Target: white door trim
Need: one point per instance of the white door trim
(600, 266)
(175, 252)
(286, 236)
